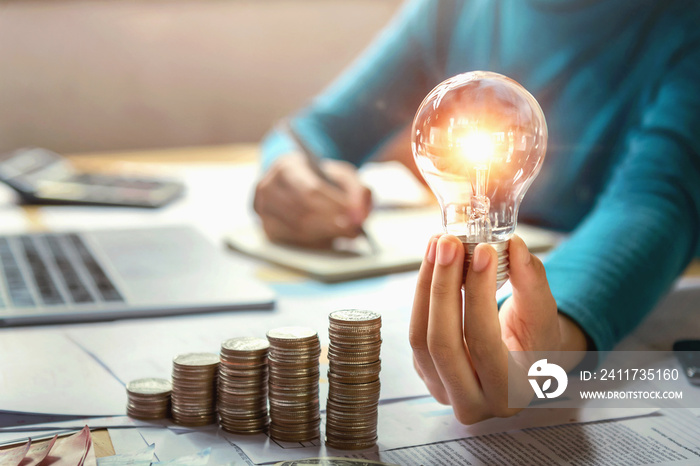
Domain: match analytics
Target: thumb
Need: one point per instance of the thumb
(531, 293)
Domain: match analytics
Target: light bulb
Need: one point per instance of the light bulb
(479, 140)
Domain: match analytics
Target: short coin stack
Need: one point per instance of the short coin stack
(148, 398)
(294, 373)
(194, 388)
(353, 377)
(242, 397)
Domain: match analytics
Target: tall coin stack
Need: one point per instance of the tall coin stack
(294, 373)
(194, 388)
(242, 396)
(148, 398)
(353, 377)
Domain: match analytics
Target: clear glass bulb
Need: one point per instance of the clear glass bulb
(479, 139)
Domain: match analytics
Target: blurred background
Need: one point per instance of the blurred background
(85, 76)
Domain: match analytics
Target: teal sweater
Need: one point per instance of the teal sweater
(619, 83)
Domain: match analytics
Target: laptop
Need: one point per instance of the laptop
(104, 275)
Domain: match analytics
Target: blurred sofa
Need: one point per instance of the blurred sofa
(79, 76)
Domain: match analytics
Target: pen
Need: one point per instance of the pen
(315, 164)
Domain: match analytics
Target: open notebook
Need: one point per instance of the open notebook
(402, 236)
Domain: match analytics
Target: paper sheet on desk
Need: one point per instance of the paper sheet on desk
(394, 186)
(146, 347)
(45, 372)
(401, 235)
(423, 421)
(670, 438)
(100, 422)
(140, 457)
(170, 446)
(402, 424)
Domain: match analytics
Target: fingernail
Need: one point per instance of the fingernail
(446, 252)
(430, 253)
(481, 258)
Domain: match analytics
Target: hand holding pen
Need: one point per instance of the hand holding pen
(303, 202)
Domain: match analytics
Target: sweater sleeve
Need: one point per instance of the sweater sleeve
(375, 97)
(644, 229)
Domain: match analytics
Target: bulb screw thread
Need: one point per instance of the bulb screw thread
(503, 270)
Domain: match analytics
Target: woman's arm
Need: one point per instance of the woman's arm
(645, 227)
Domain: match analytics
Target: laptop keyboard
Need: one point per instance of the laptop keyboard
(52, 270)
(48, 291)
(104, 285)
(76, 288)
(17, 288)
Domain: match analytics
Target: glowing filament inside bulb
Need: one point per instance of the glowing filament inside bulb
(477, 149)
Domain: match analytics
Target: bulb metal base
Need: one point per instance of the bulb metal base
(501, 248)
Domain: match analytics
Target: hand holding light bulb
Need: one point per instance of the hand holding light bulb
(461, 346)
(461, 342)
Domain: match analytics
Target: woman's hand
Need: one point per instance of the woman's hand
(460, 346)
(298, 207)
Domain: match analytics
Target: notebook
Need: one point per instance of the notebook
(402, 236)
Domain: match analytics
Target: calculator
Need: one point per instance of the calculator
(41, 176)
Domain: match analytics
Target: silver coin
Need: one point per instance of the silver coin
(243, 344)
(291, 333)
(355, 315)
(196, 359)
(149, 386)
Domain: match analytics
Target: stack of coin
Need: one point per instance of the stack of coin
(353, 377)
(242, 396)
(194, 388)
(294, 373)
(148, 398)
